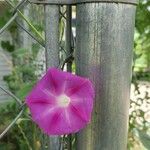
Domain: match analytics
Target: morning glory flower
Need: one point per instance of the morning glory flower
(61, 103)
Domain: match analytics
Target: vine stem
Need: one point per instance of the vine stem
(12, 123)
(12, 95)
(26, 20)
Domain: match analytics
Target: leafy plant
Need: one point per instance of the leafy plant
(145, 139)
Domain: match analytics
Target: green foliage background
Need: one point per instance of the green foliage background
(24, 135)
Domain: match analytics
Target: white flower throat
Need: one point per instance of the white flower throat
(63, 101)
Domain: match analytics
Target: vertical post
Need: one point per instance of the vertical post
(104, 54)
(68, 34)
(69, 51)
(52, 52)
(52, 35)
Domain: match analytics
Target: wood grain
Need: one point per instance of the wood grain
(104, 54)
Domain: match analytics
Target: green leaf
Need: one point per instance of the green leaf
(145, 139)
(24, 90)
(6, 45)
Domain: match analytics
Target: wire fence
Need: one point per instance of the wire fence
(66, 52)
(66, 55)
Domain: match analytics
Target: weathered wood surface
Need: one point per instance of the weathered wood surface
(52, 35)
(80, 1)
(104, 54)
(52, 52)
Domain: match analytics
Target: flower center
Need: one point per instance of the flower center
(63, 101)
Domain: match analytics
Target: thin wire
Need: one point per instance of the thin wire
(19, 5)
(26, 20)
(22, 105)
(13, 17)
(12, 123)
(68, 59)
(61, 48)
(63, 15)
(8, 23)
(23, 28)
(12, 95)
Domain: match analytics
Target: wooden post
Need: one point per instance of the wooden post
(52, 52)
(68, 35)
(52, 35)
(69, 51)
(104, 54)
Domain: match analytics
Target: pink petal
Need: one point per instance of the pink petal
(40, 95)
(79, 86)
(83, 112)
(68, 122)
(45, 102)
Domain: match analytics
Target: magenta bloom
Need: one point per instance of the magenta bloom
(61, 103)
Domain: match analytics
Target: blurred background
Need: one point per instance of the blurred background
(22, 63)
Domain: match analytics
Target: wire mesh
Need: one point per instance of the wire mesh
(66, 56)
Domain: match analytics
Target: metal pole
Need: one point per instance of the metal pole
(52, 35)
(52, 52)
(68, 35)
(104, 54)
(69, 51)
